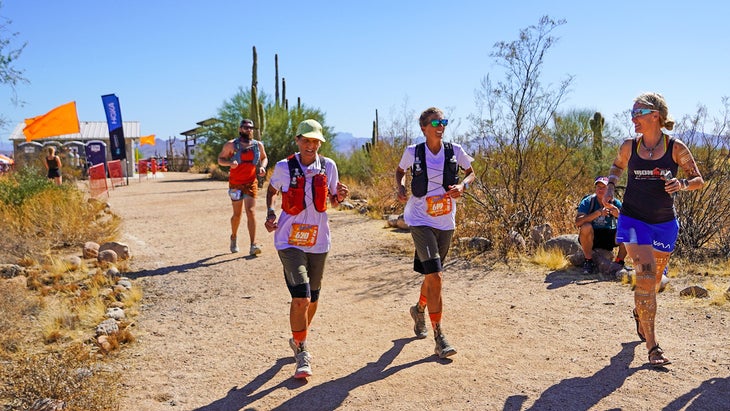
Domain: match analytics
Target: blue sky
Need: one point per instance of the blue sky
(174, 62)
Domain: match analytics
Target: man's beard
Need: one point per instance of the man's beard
(245, 137)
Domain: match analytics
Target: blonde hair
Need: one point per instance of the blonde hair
(657, 102)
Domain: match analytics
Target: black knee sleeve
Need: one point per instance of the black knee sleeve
(315, 296)
(300, 291)
(427, 267)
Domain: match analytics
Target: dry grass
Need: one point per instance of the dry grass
(18, 308)
(71, 375)
(38, 220)
(59, 316)
(554, 259)
(47, 330)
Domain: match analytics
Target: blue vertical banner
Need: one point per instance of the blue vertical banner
(116, 131)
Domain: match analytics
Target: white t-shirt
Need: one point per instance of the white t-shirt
(280, 180)
(416, 210)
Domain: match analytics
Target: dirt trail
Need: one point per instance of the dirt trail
(213, 326)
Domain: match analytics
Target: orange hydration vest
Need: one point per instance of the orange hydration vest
(293, 201)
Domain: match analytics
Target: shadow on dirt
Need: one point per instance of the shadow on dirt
(561, 278)
(326, 396)
(583, 393)
(713, 394)
(182, 268)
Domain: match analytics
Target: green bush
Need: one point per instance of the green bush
(16, 188)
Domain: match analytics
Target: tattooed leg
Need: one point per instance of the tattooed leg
(662, 260)
(645, 299)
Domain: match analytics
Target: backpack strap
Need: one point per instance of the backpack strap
(238, 151)
(295, 170)
(451, 167)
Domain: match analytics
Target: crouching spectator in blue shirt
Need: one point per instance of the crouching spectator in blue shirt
(597, 224)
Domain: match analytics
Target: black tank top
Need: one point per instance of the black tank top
(645, 198)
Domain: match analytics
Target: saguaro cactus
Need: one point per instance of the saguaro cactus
(283, 94)
(255, 108)
(276, 79)
(597, 127)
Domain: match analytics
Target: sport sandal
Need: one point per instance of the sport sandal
(657, 359)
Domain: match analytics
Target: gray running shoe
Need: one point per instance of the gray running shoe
(254, 250)
(419, 319)
(304, 367)
(295, 348)
(443, 348)
(303, 359)
(234, 246)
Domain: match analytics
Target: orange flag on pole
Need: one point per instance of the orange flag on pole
(147, 140)
(61, 120)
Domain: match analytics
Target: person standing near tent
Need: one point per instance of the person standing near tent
(53, 165)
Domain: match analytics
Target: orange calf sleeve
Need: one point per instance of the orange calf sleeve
(299, 336)
(435, 319)
(422, 301)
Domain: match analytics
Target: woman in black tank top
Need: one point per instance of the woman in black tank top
(53, 165)
(648, 224)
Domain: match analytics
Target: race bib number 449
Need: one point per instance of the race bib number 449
(304, 235)
(438, 205)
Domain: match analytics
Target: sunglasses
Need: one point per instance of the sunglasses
(443, 122)
(638, 112)
(247, 127)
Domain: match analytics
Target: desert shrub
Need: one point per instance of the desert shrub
(702, 213)
(70, 376)
(16, 188)
(372, 173)
(38, 216)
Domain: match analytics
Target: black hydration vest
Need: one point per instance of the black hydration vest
(419, 182)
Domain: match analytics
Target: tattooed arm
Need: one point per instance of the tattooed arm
(682, 156)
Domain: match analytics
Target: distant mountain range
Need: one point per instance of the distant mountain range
(345, 143)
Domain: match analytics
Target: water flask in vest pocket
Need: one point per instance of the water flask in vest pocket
(292, 201)
(320, 192)
(235, 194)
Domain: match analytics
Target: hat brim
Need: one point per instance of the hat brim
(314, 135)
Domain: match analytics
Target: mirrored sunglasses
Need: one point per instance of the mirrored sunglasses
(638, 112)
(444, 122)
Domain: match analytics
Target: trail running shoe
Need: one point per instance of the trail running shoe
(443, 348)
(254, 250)
(295, 348)
(419, 319)
(234, 246)
(304, 359)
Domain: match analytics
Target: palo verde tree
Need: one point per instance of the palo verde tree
(523, 168)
